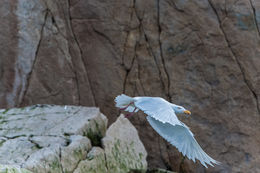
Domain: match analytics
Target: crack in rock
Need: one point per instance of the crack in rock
(81, 54)
(35, 58)
(149, 49)
(254, 15)
(161, 52)
(247, 82)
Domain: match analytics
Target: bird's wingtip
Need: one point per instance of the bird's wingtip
(217, 162)
(213, 163)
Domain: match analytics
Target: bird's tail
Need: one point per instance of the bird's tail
(123, 101)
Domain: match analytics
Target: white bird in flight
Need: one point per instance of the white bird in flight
(162, 117)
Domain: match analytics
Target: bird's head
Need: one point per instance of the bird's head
(180, 110)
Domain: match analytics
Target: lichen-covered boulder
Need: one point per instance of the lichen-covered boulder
(68, 139)
(158, 170)
(94, 163)
(75, 152)
(49, 138)
(59, 158)
(123, 149)
(12, 169)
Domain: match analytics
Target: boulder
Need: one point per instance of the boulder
(49, 138)
(159, 171)
(71, 139)
(94, 163)
(12, 169)
(75, 152)
(123, 148)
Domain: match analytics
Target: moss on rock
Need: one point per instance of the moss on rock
(12, 169)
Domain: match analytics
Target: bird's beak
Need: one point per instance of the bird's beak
(187, 112)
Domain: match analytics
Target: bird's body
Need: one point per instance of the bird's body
(162, 117)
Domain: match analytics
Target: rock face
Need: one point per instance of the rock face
(56, 139)
(202, 54)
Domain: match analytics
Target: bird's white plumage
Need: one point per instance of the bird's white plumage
(157, 108)
(123, 101)
(162, 117)
(181, 137)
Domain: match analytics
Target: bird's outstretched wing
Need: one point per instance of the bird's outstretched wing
(157, 108)
(181, 137)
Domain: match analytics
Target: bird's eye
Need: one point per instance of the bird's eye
(179, 108)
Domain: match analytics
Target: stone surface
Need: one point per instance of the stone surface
(53, 120)
(48, 138)
(159, 171)
(202, 54)
(94, 163)
(75, 153)
(68, 139)
(123, 149)
(12, 169)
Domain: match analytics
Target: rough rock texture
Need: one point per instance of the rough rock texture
(67, 139)
(203, 54)
(48, 138)
(12, 169)
(95, 162)
(159, 171)
(122, 137)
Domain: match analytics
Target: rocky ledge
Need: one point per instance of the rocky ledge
(67, 139)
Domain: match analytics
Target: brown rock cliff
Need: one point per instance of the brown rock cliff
(202, 54)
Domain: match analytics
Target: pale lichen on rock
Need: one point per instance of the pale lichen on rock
(12, 169)
(68, 139)
(123, 148)
(94, 163)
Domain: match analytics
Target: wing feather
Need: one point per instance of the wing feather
(186, 144)
(158, 108)
(193, 155)
(189, 146)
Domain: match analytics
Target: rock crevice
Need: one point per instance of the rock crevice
(247, 82)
